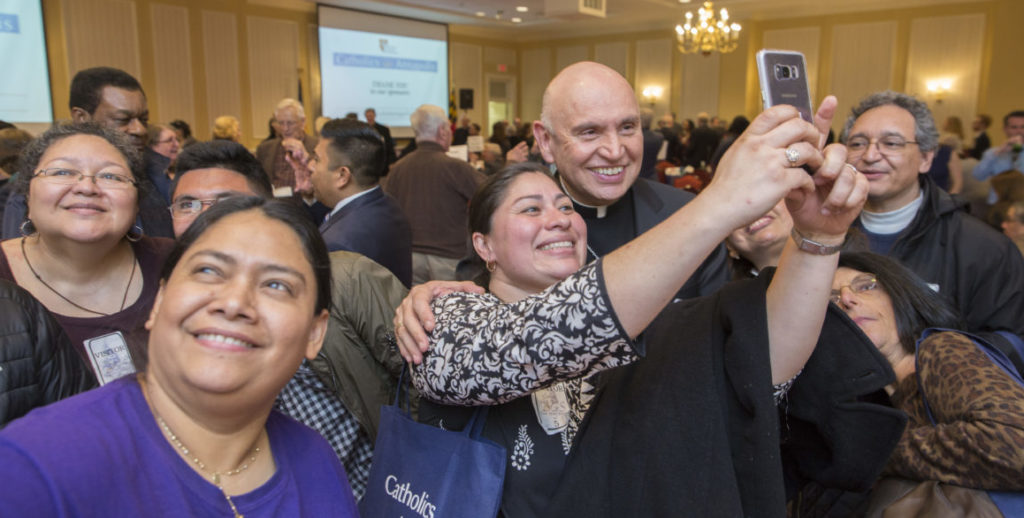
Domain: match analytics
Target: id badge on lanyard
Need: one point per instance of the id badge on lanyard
(110, 357)
(551, 405)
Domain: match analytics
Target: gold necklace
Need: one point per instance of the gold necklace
(214, 476)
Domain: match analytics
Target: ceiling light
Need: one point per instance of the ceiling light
(517, 20)
(522, 8)
(481, 14)
(702, 36)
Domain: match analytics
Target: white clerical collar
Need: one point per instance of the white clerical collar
(885, 223)
(601, 210)
(350, 199)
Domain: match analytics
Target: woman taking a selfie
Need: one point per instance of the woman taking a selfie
(547, 325)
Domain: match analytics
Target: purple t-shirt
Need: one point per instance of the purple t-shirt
(101, 453)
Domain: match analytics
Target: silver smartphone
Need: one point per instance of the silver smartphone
(783, 77)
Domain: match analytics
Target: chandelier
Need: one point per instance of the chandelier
(708, 34)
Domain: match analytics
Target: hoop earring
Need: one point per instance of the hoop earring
(491, 266)
(135, 234)
(27, 228)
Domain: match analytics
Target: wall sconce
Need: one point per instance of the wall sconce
(938, 88)
(652, 94)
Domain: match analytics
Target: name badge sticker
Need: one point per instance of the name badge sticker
(109, 357)
(552, 408)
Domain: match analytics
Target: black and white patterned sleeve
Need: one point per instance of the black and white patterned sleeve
(484, 352)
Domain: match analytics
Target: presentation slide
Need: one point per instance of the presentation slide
(389, 73)
(25, 81)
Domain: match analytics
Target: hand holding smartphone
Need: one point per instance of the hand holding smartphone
(783, 78)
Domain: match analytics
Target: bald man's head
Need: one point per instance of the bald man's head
(590, 129)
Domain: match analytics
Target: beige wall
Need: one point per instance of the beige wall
(848, 55)
(198, 59)
(856, 54)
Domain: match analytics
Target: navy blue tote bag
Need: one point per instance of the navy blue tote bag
(423, 471)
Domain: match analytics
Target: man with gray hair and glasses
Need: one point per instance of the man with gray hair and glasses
(891, 138)
(289, 123)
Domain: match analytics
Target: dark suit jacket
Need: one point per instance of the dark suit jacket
(653, 202)
(981, 143)
(675, 152)
(460, 136)
(375, 226)
(652, 144)
(703, 142)
(389, 143)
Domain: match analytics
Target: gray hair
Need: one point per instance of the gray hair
(925, 133)
(290, 103)
(426, 120)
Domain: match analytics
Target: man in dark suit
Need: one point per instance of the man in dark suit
(653, 141)
(461, 134)
(345, 173)
(703, 142)
(389, 143)
(981, 140)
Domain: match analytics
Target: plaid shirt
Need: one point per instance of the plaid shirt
(308, 400)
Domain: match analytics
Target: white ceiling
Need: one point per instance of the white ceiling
(622, 15)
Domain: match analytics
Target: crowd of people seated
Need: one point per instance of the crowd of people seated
(194, 328)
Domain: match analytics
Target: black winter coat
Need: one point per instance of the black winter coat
(38, 366)
(978, 269)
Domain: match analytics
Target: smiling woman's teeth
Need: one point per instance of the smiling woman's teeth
(608, 171)
(560, 244)
(225, 339)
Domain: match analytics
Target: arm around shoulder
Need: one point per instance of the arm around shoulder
(485, 352)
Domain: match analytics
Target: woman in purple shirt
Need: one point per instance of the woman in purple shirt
(243, 298)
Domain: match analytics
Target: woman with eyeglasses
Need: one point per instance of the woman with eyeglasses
(971, 433)
(243, 298)
(81, 253)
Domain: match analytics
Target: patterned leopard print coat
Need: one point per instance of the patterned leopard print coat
(979, 439)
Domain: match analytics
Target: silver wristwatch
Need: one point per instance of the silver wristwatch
(813, 247)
